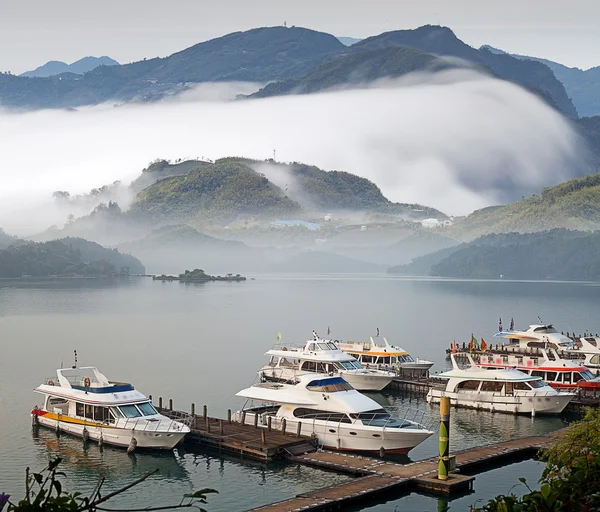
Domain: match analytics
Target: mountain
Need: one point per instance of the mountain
(557, 254)
(574, 204)
(66, 257)
(80, 67)
(348, 41)
(582, 86)
(421, 265)
(437, 40)
(257, 55)
(7, 240)
(357, 69)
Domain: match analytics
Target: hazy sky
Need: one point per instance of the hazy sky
(35, 31)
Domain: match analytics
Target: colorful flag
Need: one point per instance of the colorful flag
(512, 324)
(483, 345)
(474, 341)
(454, 347)
(500, 325)
(278, 338)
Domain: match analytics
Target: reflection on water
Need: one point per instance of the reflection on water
(202, 344)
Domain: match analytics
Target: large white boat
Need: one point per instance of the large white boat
(340, 417)
(84, 403)
(536, 336)
(502, 390)
(384, 356)
(587, 349)
(286, 363)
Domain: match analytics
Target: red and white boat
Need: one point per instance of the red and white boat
(558, 372)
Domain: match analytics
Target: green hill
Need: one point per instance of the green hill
(574, 204)
(222, 191)
(358, 68)
(557, 254)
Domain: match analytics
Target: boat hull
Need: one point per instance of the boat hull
(351, 437)
(527, 404)
(367, 381)
(110, 435)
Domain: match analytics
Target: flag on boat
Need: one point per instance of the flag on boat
(512, 324)
(500, 325)
(483, 345)
(474, 341)
(454, 347)
(378, 332)
(328, 331)
(279, 337)
(471, 344)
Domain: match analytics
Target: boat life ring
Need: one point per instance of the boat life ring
(86, 382)
(50, 382)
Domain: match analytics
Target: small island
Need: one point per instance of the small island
(198, 275)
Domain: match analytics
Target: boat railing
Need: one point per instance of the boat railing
(175, 419)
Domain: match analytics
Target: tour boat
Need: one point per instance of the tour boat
(384, 356)
(321, 356)
(587, 348)
(84, 403)
(329, 408)
(558, 372)
(499, 389)
(536, 336)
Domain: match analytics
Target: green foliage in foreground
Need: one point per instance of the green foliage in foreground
(44, 493)
(571, 479)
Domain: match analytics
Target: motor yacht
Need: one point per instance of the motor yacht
(588, 350)
(83, 402)
(379, 353)
(536, 336)
(560, 373)
(329, 408)
(286, 363)
(505, 390)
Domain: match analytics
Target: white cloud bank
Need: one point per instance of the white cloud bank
(455, 140)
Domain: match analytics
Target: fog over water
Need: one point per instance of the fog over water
(456, 141)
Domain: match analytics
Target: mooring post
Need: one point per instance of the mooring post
(160, 403)
(299, 429)
(150, 398)
(207, 425)
(269, 423)
(193, 411)
(204, 411)
(263, 436)
(229, 416)
(255, 420)
(221, 427)
(444, 438)
(243, 417)
(283, 425)
(170, 404)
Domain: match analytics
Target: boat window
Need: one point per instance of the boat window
(587, 375)
(315, 414)
(323, 346)
(521, 386)
(559, 377)
(130, 411)
(551, 376)
(367, 359)
(311, 346)
(470, 385)
(309, 366)
(347, 365)
(567, 377)
(53, 400)
(321, 368)
(332, 346)
(537, 373)
(329, 385)
(546, 329)
(116, 412)
(147, 409)
(357, 365)
(492, 385)
(384, 360)
(577, 377)
(595, 359)
(101, 414)
(536, 383)
(509, 389)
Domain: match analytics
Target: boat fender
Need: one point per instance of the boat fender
(50, 382)
(100, 441)
(132, 445)
(86, 382)
(382, 452)
(86, 435)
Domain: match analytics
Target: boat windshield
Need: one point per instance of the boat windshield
(379, 418)
(547, 329)
(137, 411)
(587, 375)
(147, 409)
(130, 411)
(329, 385)
(350, 365)
(536, 383)
(406, 359)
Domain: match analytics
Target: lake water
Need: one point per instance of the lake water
(203, 343)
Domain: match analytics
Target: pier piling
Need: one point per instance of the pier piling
(221, 427)
(269, 423)
(243, 417)
(299, 429)
(170, 404)
(283, 425)
(160, 403)
(193, 410)
(255, 420)
(207, 425)
(263, 436)
(204, 411)
(444, 438)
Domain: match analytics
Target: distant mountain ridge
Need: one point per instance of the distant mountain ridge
(80, 67)
(583, 87)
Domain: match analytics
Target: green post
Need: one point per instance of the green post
(444, 438)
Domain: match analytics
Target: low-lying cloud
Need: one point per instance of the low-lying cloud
(453, 140)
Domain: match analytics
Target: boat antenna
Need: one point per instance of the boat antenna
(540, 319)
(377, 332)
(75, 365)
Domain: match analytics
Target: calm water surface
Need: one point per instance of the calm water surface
(203, 343)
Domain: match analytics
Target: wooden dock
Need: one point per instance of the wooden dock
(376, 476)
(246, 440)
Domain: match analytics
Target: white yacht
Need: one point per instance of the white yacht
(339, 416)
(286, 363)
(503, 390)
(83, 402)
(588, 350)
(384, 356)
(536, 336)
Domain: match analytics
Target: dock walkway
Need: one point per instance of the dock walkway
(377, 476)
